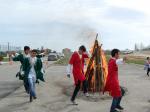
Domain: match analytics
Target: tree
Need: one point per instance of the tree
(48, 51)
(141, 46)
(136, 47)
(1, 58)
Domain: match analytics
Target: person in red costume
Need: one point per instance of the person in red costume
(76, 62)
(112, 82)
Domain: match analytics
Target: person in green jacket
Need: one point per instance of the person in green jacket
(32, 68)
(21, 57)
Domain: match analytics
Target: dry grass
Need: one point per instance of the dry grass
(132, 59)
(136, 59)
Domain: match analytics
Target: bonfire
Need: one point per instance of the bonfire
(97, 70)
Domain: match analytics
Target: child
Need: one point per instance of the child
(148, 68)
(32, 69)
(147, 65)
(112, 82)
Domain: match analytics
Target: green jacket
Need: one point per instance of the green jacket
(38, 69)
(20, 58)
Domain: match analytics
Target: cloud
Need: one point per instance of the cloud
(67, 23)
(124, 14)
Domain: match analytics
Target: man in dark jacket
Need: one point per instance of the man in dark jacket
(32, 68)
(21, 57)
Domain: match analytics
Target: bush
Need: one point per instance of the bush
(1, 58)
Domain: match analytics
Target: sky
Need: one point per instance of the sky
(59, 24)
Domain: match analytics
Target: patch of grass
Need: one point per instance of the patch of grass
(131, 59)
(63, 61)
(135, 61)
(6, 59)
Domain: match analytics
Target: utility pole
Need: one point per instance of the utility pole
(8, 51)
(8, 47)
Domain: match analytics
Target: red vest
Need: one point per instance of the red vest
(78, 73)
(112, 82)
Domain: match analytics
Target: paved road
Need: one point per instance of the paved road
(54, 94)
(8, 81)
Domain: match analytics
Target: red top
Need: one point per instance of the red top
(112, 82)
(76, 61)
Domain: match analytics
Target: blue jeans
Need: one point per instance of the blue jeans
(26, 85)
(32, 87)
(116, 100)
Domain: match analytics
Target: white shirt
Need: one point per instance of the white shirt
(69, 69)
(120, 61)
(26, 55)
(32, 73)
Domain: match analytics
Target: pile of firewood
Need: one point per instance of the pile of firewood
(97, 69)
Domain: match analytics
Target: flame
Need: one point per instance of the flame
(90, 70)
(104, 65)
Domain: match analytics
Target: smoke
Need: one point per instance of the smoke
(88, 36)
(88, 33)
(50, 23)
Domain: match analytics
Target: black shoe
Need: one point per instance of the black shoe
(31, 99)
(120, 108)
(34, 97)
(114, 110)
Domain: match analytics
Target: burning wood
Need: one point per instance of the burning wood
(97, 70)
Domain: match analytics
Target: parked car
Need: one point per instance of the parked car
(53, 57)
(128, 52)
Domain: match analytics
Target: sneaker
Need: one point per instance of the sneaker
(120, 108)
(73, 103)
(86, 94)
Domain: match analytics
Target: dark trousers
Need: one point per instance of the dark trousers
(148, 70)
(117, 100)
(77, 89)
